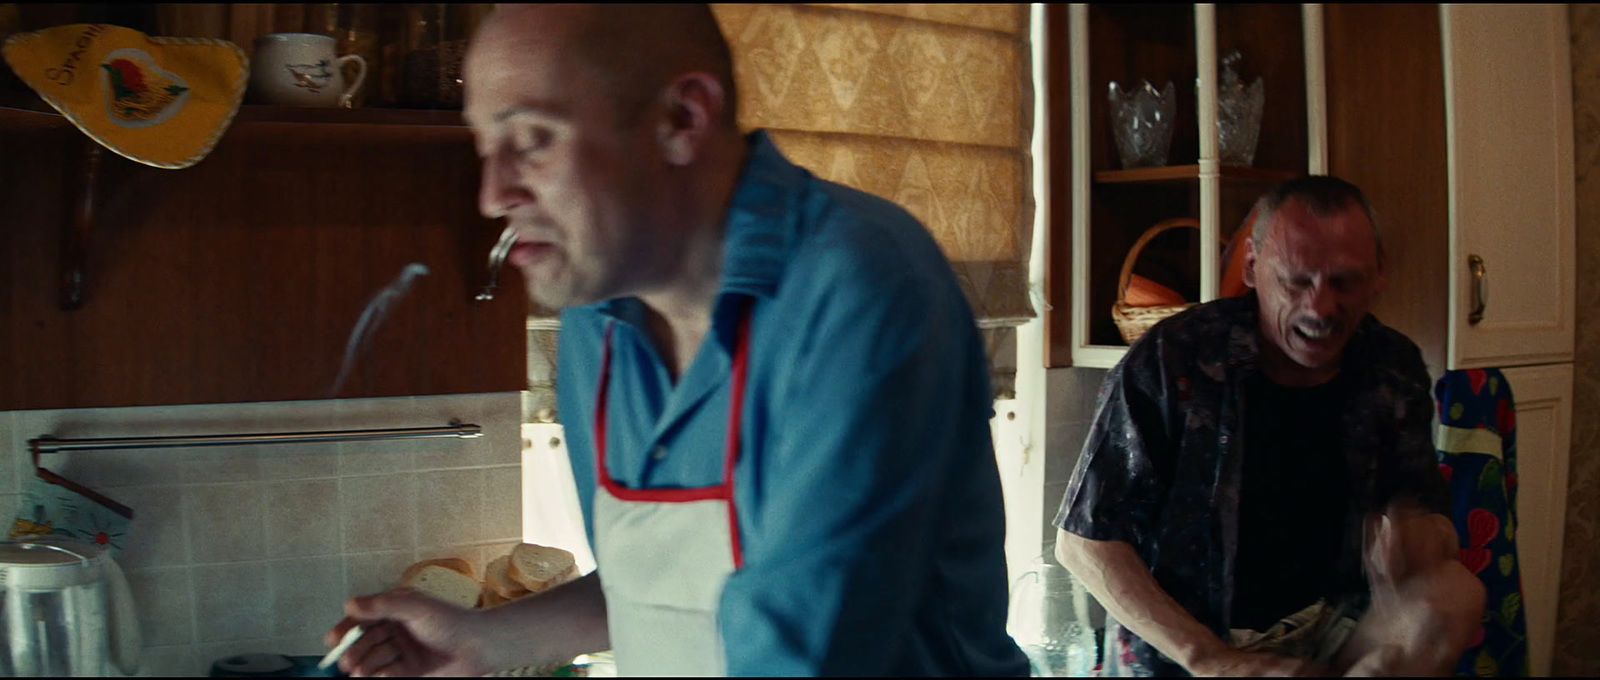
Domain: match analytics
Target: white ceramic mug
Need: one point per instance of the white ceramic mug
(302, 69)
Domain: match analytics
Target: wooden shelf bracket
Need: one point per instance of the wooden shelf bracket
(79, 225)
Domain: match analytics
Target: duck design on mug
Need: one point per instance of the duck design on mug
(313, 77)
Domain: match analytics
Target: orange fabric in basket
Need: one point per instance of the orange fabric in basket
(1143, 292)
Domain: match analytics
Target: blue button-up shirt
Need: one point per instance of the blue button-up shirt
(869, 500)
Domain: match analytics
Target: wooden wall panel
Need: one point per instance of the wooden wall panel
(1386, 134)
(239, 279)
(1058, 186)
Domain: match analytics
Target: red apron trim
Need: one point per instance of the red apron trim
(741, 368)
(721, 492)
(710, 493)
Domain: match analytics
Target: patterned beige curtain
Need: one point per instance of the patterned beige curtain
(927, 105)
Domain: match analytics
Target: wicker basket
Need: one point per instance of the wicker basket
(1134, 321)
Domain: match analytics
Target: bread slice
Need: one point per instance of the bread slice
(491, 598)
(539, 568)
(444, 584)
(497, 576)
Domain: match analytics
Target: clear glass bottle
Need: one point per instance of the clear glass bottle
(433, 44)
(323, 19)
(421, 32)
(355, 28)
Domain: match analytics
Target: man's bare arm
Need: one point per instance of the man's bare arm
(1113, 572)
(410, 634)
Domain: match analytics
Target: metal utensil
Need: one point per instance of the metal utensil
(497, 259)
(350, 637)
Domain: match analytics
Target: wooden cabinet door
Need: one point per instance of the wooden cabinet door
(1543, 397)
(1508, 108)
(240, 279)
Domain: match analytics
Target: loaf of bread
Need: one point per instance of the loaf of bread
(526, 570)
(539, 568)
(450, 580)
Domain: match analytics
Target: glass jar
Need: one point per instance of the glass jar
(355, 28)
(433, 44)
(421, 32)
(1051, 620)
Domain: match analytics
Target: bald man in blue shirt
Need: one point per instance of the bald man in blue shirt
(775, 394)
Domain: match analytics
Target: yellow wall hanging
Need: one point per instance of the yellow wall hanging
(163, 102)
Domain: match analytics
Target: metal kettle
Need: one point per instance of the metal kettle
(66, 611)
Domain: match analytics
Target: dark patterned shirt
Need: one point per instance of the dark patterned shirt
(1163, 464)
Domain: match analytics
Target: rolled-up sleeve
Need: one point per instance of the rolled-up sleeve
(1121, 478)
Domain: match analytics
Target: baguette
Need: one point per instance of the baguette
(491, 598)
(539, 568)
(496, 575)
(445, 584)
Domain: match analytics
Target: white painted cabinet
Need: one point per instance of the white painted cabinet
(1544, 426)
(1508, 110)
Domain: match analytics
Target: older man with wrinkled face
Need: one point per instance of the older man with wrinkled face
(1315, 276)
(1259, 465)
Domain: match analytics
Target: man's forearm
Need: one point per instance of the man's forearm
(1113, 572)
(563, 623)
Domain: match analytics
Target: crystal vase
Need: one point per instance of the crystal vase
(1141, 122)
(1238, 114)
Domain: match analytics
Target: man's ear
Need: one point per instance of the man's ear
(695, 103)
(1250, 257)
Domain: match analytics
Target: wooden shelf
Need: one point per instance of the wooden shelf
(28, 112)
(1185, 173)
(251, 113)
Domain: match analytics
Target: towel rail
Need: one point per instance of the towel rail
(49, 444)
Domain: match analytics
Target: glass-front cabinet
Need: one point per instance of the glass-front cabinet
(1181, 116)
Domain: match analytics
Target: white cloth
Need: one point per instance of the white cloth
(665, 565)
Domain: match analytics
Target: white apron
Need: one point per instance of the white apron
(665, 554)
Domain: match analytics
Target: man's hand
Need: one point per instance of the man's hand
(408, 635)
(1234, 663)
(1425, 605)
(1407, 541)
(1115, 575)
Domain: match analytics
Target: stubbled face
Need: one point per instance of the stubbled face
(576, 183)
(1316, 278)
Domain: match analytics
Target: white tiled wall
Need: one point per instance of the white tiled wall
(254, 548)
(1070, 399)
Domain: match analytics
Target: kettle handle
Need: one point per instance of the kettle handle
(126, 645)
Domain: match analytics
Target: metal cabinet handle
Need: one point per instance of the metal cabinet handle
(1480, 288)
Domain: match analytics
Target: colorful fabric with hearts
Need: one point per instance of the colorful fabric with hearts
(163, 102)
(1477, 455)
